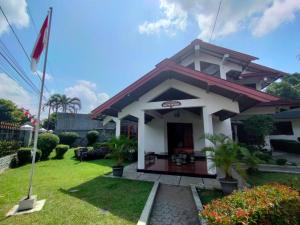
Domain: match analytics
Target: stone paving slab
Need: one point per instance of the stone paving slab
(211, 183)
(169, 179)
(149, 177)
(174, 205)
(187, 181)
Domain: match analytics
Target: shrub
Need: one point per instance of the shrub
(68, 138)
(47, 142)
(268, 204)
(257, 127)
(24, 155)
(8, 147)
(98, 145)
(286, 145)
(266, 157)
(92, 137)
(14, 162)
(281, 162)
(61, 150)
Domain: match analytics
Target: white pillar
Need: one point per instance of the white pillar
(118, 127)
(197, 58)
(141, 138)
(208, 129)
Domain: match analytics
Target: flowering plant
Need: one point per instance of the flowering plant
(273, 204)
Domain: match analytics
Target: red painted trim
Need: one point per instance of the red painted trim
(168, 65)
(265, 69)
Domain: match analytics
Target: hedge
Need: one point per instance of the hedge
(8, 147)
(47, 142)
(61, 150)
(24, 155)
(92, 137)
(68, 138)
(274, 204)
(286, 145)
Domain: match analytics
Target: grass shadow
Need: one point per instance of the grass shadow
(124, 198)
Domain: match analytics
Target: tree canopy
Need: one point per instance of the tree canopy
(10, 112)
(288, 87)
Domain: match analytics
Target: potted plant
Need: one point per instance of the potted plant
(132, 150)
(119, 147)
(224, 153)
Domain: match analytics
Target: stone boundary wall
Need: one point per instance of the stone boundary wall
(5, 161)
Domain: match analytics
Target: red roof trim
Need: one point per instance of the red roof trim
(167, 65)
(264, 74)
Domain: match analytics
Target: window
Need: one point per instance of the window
(283, 128)
(209, 68)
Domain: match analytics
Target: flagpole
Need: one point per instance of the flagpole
(36, 132)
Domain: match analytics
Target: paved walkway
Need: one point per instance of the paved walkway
(131, 173)
(174, 205)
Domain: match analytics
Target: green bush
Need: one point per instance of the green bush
(24, 155)
(8, 147)
(286, 145)
(47, 142)
(266, 157)
(268, 204)
(92, 137)
(98, 145)
(68, 138)
(61, 150)
(281, 162)
(14, 162)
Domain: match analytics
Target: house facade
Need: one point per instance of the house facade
(203, 89)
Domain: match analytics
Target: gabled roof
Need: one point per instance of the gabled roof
(167, 69)
(213, 48)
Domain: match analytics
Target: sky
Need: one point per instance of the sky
(97, 48)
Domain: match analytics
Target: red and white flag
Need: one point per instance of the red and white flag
(39, 46)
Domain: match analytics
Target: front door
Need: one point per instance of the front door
(180, 138)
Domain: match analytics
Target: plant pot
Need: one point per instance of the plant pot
(118, 171)
(228, 185)
(131, 157)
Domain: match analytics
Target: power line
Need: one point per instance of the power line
(215, 22)
(20, 43)
(29, 82)
(14, 64)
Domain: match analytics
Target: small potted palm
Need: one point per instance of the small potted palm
(225, 154)
(119, 147)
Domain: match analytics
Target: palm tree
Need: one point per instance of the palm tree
(52, 104)
(68, 104)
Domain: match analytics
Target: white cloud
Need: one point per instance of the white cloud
(259, 16)
(16, 13)
(48, 76)
(280, 12)
(87, 92)
(10, 89)
(175, 19)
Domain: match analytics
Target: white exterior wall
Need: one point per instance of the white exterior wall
(156, 131)
(222, 127)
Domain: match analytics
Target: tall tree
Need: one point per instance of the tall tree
(69, 104)
(53, 104)
(288, 87)
(10, 112)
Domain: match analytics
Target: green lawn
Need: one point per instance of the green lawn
(98, 199)
(260, 178)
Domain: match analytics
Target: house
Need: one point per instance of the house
(203, 89)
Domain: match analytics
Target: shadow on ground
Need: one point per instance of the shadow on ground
(123, 198)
